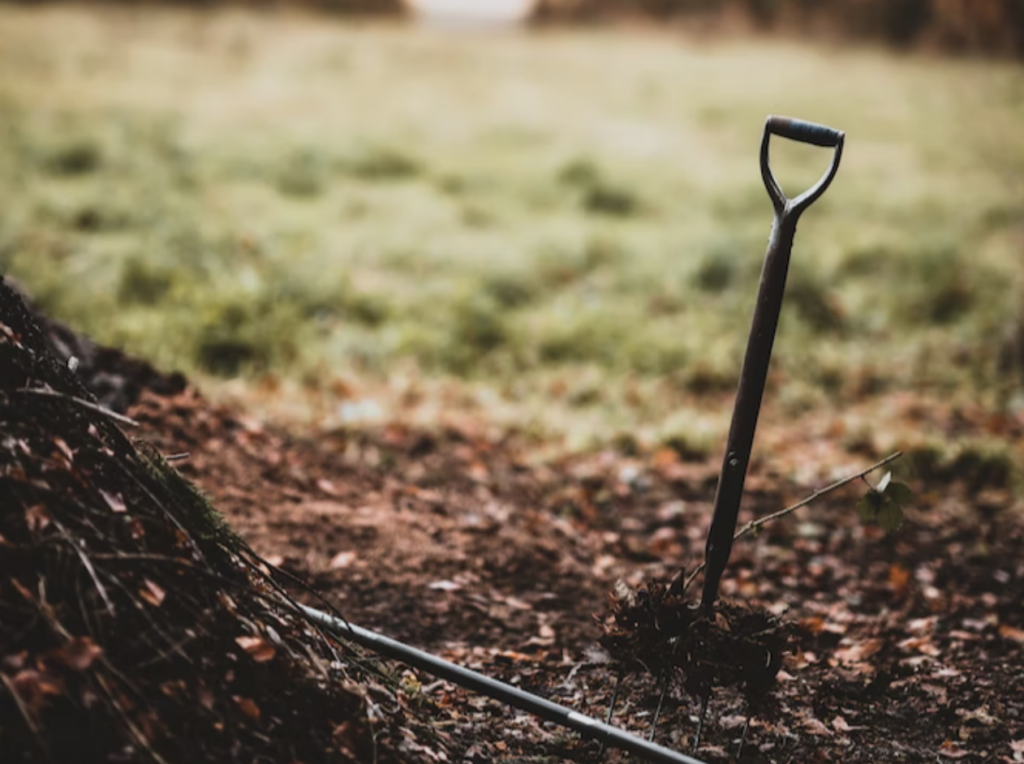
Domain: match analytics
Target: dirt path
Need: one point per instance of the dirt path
(906, 648)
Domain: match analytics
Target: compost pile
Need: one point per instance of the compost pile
(133, 625)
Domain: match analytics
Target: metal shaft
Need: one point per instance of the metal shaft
(748, 405)
(534, 704)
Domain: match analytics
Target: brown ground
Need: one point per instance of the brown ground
(907, 648)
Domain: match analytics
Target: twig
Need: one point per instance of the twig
(26, 714)
(87, 564)
(136, 733)
(666, 673)
(81, 402)
(754, 525)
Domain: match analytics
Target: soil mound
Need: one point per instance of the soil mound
(134, 626)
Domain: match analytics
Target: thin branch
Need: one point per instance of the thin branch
(26, 714)
(81, 402)
(755, 525)
(136, 733)
(87, 564)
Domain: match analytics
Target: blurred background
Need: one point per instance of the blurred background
(543, 216)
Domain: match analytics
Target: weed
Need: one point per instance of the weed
(597, 193)
(144, 281)
(382, 163)
(304, 172)
(77, 156)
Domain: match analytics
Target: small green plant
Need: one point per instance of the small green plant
(883, 503)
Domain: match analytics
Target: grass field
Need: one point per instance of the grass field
(564, 228)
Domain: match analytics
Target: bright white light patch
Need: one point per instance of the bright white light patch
(474, 12)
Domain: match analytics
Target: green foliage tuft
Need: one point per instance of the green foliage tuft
(884, 503)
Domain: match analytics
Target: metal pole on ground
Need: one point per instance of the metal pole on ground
(513, 696)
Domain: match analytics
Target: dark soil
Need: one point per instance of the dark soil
(901, 647)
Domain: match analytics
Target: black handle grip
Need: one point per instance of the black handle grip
(805, 132)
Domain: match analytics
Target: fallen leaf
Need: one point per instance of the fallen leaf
(205, 697)
(33, 687)
(327, 487)
(950, 750)
(814, 624)
(1017, 746)
(923, 645)
(979, 715)
(922, 625)
(152, 593)
(114, 501)
(816, 727)
(259, 648)
(544, 638)
(65, 451)
(135, 528)
(37, 518)
(858, 652)
(839, 724)
(80, 652)
(227, 603)
(1017, 635)
(732, 721)
(444, 586)
(899, 579)
(342, 560)
(248, 707)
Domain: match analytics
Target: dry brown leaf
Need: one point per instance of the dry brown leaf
(813, 624)
(37, 518)
(114, 501)
(64, 449)
(227, 603)
(839, 724)
(135, 528)
(152, 593)
(816, 727)
(858, 652)
(327, 487)
(205, 697)
(259, 648)
(80, 652)
(899, 579)
(544, 638)
(33, 687)
(1010, 632)
(665, 457)
(950, 750)
(248, 707)
(923, 645)
(342, 560)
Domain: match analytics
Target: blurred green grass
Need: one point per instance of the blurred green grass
(570, 222)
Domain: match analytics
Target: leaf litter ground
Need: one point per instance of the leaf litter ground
(903, 647)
